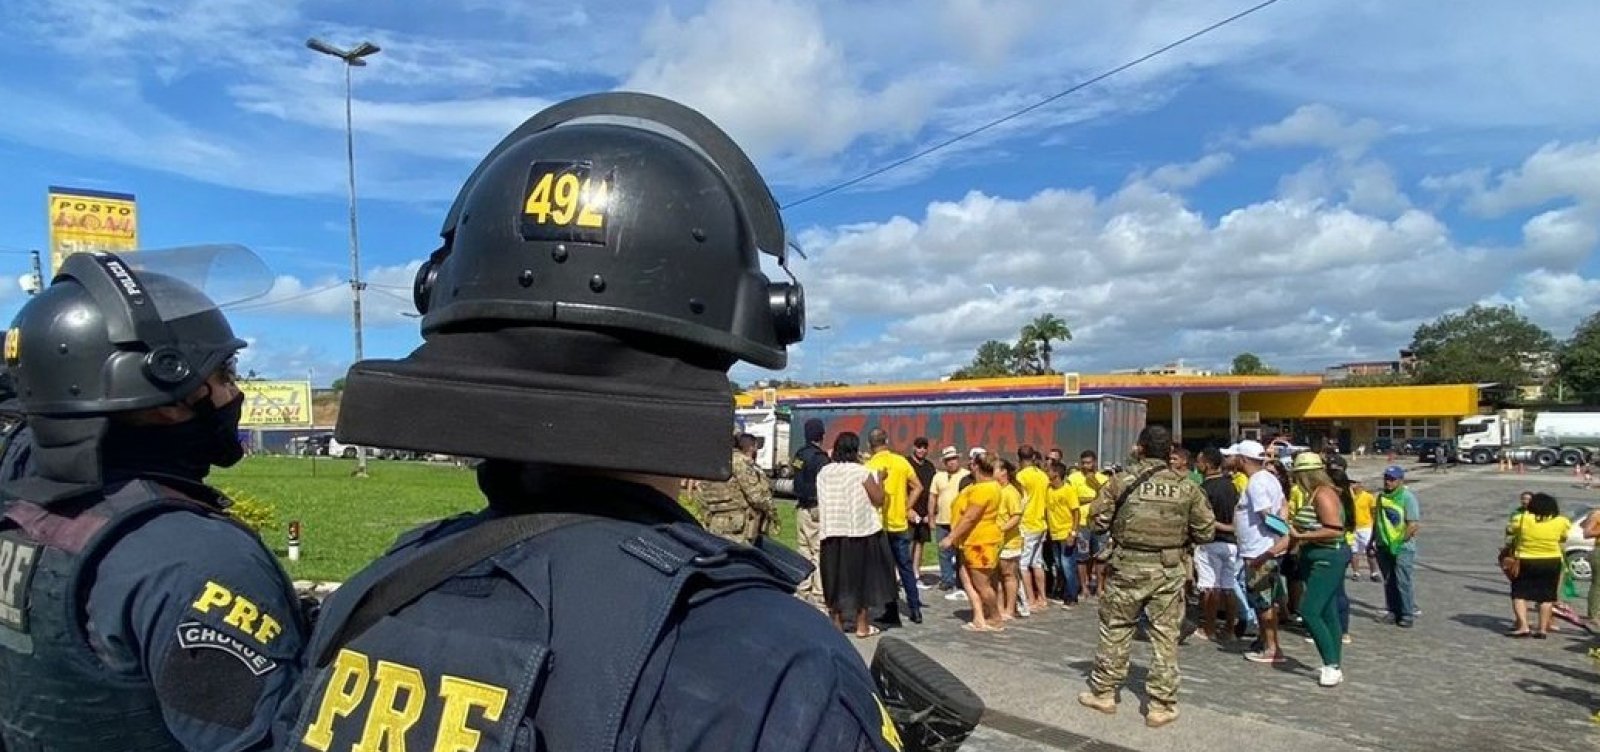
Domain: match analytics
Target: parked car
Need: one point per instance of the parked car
(1577, 548)
(1382, 445)
(1423, 450)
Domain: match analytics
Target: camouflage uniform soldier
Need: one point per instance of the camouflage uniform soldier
(740, 508)
(1153, 513)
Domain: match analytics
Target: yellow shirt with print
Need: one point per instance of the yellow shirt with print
(986, 494)
(1062, 512)
(1086, 493)
(896, 472)
(1036, 496)
(1010, 506)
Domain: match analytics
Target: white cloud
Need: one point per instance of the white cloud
(767, 72)
(1190, 174)
(1142, 277)
(1561, 239)
(386, 300)
(1557, 171)
(1318, 126)
(1365, 185)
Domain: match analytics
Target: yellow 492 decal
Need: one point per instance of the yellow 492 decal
(564, 202)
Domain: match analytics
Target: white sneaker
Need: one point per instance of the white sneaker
(1331, 676)
(924, 586)
(956, 595)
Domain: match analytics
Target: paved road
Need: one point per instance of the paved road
(1452, 683)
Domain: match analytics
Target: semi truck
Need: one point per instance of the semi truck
(770, 426)
(1557, 438)
(1106, 424)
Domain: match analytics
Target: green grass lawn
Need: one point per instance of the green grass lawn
(346, 522)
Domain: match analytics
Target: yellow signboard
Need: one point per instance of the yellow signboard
(276, 403)
(84, 220)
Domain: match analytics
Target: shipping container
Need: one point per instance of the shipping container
(1105, 423)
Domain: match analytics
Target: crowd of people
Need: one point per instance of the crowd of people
(1014, 537)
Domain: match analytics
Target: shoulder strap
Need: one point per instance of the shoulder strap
(422, 574)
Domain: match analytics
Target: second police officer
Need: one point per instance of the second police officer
(809, 461)
(134, 613)
(1154, 514)
(600, 273)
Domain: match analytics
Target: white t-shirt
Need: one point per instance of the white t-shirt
(1262, 496)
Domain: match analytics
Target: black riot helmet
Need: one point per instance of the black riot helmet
(625, 212)
(104, 338)
(600, 272)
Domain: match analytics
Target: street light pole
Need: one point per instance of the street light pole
(352, 58)
(822, 366)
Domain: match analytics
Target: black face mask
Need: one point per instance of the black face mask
(187, 450)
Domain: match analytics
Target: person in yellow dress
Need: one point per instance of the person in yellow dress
(976, 531)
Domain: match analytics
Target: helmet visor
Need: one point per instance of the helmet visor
(227, 274)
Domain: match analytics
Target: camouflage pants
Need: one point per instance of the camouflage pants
(1157, 592)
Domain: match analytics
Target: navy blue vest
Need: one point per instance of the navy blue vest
(55, 694)
(528, 649)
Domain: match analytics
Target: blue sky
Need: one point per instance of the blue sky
(1309, 183)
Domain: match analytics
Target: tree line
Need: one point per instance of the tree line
(1482, 344)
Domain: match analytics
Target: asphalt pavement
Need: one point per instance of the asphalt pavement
(1453, 682)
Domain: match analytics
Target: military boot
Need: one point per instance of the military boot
(1106, 703)
(1160, 714)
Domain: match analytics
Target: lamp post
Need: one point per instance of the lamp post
(822, 368)
(352, 58)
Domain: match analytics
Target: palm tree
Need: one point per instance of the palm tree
(1044, 330)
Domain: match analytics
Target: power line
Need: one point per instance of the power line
(1030, 108)
(379, 290)
(255, 305)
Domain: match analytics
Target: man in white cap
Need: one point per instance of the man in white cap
(1259, 530)
(942, 493)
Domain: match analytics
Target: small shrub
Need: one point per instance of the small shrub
(256, 513)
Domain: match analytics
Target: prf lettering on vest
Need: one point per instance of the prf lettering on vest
(15, 561)
(397, 696)
(242, 613)
(1153, 489)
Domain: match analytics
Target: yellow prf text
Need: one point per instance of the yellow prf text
(396, 696)
(241, 612)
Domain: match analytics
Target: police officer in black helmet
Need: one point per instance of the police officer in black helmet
(134, 613)
(599, 275)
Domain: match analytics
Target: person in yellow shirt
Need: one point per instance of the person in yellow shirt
(1010, 519)
(1062, 516)
(977, 533)
(1235, 470)
(1365, 503)
(1035, 484)
(1535, 538)
(900, 485)
(1086, 480)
